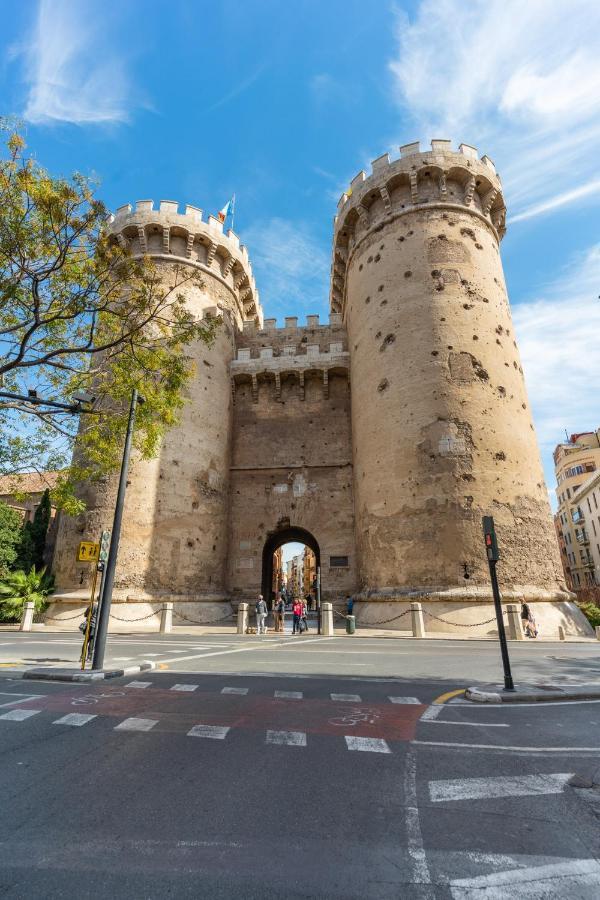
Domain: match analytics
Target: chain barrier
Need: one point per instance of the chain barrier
(462, 624)
(140, 619)
(228, 618)
(78, 615)
(384, 621)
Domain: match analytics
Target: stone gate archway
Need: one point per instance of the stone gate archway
(276, 540)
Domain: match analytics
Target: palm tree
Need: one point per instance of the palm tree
(16, 588)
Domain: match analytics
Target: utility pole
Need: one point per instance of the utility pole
(111, 563)
(493, 555)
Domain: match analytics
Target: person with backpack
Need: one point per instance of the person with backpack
(261, 615)
(304, 616)
(297, 615)
(280, 614)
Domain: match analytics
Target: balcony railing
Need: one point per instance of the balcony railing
(577, 516)
(582, 538)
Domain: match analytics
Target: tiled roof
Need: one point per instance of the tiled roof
(27, 482)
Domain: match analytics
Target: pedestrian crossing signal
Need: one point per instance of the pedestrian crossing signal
(491, 543)
(104, 546)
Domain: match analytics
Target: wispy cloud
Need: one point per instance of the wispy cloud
(521, 80)
(290, 264)
(558, 340)
(72, 73)
(239, 88)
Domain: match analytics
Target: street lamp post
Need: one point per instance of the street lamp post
(111, 563)
(491, 548)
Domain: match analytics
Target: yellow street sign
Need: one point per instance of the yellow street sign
(87, 551)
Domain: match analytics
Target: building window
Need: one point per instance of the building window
(595, 501)
(589, 504)
(338, 562)
(569, 493)
(594, 527)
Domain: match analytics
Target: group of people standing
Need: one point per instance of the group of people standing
(300, 609)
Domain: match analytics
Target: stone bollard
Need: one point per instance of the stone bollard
(242, 618)
(166, 618)
(598, 632)
(515, 629)
(327, 619)
(416, 615)
(561, 633)
(27, 617)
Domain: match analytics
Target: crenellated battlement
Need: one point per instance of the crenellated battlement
(415, 180)
(291, 326)
(166, 233)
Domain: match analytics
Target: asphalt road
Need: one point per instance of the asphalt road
(463, 663)
(297, 784)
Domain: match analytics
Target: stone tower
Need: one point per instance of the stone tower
(174, 538)
(442, 431)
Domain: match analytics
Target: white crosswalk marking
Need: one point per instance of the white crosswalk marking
(289, 738)
(500, 786)
(370, 745)
(432, 712)
(564, 879)
(346, 698)
(152, 654)
(18, 715)
(138, 684)
(134, 724)
(74, 719)
(217, 732)
(184, 687)
(289, 695)
(234, 690)
(404, 700)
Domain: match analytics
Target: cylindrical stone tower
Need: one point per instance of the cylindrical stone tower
(174, 539)
(441, 425)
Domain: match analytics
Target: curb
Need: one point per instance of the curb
(533, 694)
(51, 674)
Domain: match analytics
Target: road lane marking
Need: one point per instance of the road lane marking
(497, 786)
(474, 724)
(416, 849)
(553, 880)
(432, 712)
(289, 695)
(216, 732)
(443, 698)
(254, 646)
(404, 700)
(506, 748)
(138, 684)
(134, 724)
(184, 687)
(21, 698)
(346, 698)
(18, 715)
(75, 719)
(369, 745)
(234, 690)
(287, 738)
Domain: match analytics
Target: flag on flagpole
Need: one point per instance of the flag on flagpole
(227, 210)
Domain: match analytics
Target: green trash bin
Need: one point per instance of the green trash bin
(350, 624)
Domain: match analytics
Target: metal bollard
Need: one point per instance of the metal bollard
(166, 618)
(327, 619)
(27, 617)
(418, 624)
(242, 618)
(515, 629)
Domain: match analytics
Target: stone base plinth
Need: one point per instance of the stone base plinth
(142, 615)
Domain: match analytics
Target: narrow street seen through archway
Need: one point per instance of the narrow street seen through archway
(291, 561)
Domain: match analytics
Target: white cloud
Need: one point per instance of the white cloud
(521, 80)
(290, 265)
(72, 76)
(558, 341)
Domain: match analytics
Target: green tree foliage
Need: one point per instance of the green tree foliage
(591, 611)
(10, 534)
(18, 587)
(79, 314)
(33, 538)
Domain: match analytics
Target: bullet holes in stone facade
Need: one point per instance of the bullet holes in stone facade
(523, 406)
(515, 364)
(367, 300)
(475, 337)
(370, 259)
(380, 288)
(382, 246)
(383, 385)
(467, 306)
(388, 339)
(190, 543)
(377, 257)
(410, 233)
(360, 268)
(500, 456)
(207, 363)
(449, 347)
(440, 286)
(383, 303)
(468, 232)
(501, 390)
(378, 335)
(401, 239)
(435, 353)
(466, 476)
(436, 273)
(442, 237)
(479, 246)
(408, 274)
(195, 504)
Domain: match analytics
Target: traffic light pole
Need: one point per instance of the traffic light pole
(111, 563)
(491, 546)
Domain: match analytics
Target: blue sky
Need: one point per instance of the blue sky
(284, 102)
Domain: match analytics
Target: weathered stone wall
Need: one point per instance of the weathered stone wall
(442, 428)
(291, 461)
(174, 537)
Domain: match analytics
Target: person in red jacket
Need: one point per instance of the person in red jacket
(297, 613)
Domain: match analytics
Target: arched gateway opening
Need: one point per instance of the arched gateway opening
(274, 542)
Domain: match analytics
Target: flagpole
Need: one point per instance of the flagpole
(232, 211)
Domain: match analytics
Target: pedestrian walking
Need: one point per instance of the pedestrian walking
(297, 615)
(527, 620)
(304, 616)
(308, 600)
(280, 614)
(261, 615)
(349, 605)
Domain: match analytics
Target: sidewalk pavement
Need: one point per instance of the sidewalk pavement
(532, 693)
